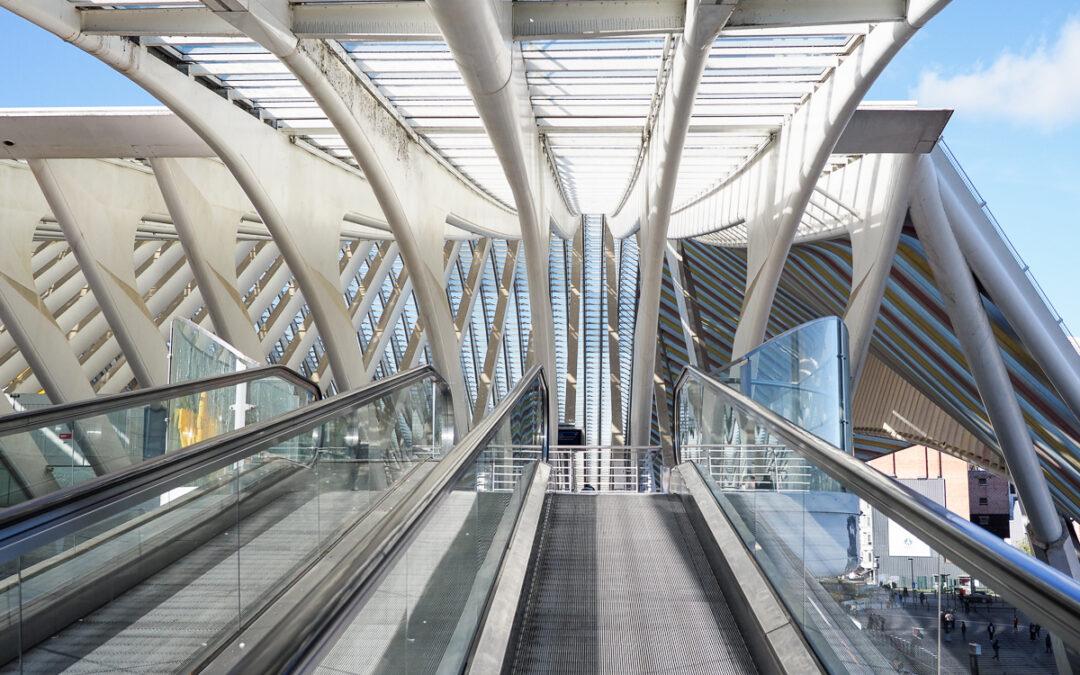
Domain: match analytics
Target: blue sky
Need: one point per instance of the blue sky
(1025, 164)
(1010, 75)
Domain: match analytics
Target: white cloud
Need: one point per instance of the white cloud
(1041, 88)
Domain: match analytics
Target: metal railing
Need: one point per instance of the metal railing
(752, 467)
(616, 468)
(578, 468)
(1029, 584)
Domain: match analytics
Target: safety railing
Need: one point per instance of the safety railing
(751, 467)
(593, 469)
(63, 445)
(320, 469)
(410, 545)
(584, 469)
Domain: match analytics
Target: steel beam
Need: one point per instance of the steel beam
(657, 190)
(480, 38)
(983, 355)
(576, 19)
(486, 378)
(611, 284)
(1006, 283)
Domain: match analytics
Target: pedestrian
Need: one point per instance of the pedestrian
(1049, 645)
(1016, 624)
(996, 645)
(1038, 629)
(922, 599)
(990, 629)
(963, 629)
(1031, 632)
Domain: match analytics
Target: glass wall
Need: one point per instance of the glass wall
(802, 526)
(205, 553)
(425, 611)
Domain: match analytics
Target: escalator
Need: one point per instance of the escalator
(348, 536)
(527, 576)
(158, 565)
(621, 583)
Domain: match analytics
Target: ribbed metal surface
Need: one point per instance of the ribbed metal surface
(621, 585)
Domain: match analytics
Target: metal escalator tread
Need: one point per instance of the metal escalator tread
(622, 585)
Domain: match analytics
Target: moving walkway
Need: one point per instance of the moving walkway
(353, 535)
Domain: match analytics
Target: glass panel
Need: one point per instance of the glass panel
(162, 583)
(803, 528)
(425, 611)
(61, 455)
(195, 353)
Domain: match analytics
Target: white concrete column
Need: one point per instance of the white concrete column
(703, 23)
(983, 355)
(28, 321)
(99, 215)
(792, 167)
(873, 248)
(479, 36)
(207, 221)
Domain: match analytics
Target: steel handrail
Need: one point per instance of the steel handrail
(30, 420)
(300, 636)
(29, 524)
(1031, 585)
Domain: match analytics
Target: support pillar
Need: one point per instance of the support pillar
(1007, 284)
(873, 247)
(983, 355)
(207, 222)
(703, 23)
(99, 216)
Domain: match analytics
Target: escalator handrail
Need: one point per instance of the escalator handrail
(298, 636)
(31, 420)
(25, 526)
(1040, 590)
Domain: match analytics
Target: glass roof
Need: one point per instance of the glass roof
(753, 81)
(594, 99)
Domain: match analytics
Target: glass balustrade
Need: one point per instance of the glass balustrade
(426, 609)
(62, 453)
(201, 555)
(908, 610)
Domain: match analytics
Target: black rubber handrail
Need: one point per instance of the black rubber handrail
(32, 523)
(30, 420)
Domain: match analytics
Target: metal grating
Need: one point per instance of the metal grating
(621, 585)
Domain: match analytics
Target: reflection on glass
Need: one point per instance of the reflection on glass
(803, 527)
(195, 353)
(425, 611)
(60, 455)
(190, 564)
